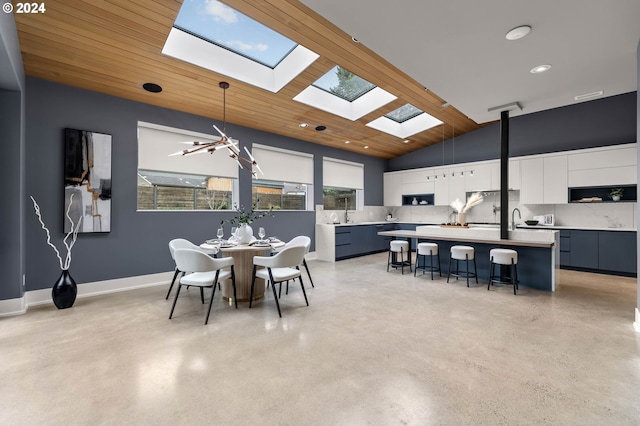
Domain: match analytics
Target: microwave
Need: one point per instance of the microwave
(545, 219)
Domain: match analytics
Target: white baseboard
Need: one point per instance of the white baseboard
(12, 307)
(636, 324)
(41, 297)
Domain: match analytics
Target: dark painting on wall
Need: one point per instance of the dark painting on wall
(87, 175)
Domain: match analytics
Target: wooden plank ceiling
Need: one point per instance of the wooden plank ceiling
(114, 47)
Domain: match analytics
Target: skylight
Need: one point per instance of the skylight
(228, 28)
(404, 122)
(404, 113)
(344, 94)
(344, 84)
(214, 36)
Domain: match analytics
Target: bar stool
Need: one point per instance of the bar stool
(402, 247)
(465, 253)
(424, 250)
(505, 257)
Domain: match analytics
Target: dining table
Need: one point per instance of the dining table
(243, 255)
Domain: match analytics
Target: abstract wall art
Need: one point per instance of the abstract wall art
(87, 174)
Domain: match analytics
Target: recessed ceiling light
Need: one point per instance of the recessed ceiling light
(152, 87)
(355, 40)
(366, 147)
(540, 68)
(518, 32)
(347, 142)
(406, 141)
(589, 95)
(321, 128)
(303, 125)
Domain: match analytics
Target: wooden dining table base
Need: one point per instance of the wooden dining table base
(243, 267)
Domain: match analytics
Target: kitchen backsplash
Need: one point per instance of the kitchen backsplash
(601, 215)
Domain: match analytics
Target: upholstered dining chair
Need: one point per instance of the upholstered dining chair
(300, 240)
(206, 271)
(181, 243)
(281, 267)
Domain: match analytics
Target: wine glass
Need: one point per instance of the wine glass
(234, 232)
(220, 234)
(261, 233)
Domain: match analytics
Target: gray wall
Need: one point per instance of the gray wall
(11, 213)
(137, 243)
(638, 136)
(12, 82)
(608, 121)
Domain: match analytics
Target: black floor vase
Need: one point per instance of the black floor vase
(64, 291)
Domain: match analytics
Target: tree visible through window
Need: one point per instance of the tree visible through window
(339, 198)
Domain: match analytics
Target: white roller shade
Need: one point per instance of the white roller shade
(342, 174)
(282, 165)
(156, 142)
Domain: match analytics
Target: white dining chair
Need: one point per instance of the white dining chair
(281, 267)
(300, 240)
(206, 271)
(181, 243)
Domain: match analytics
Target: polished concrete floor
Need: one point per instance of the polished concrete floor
(373, 348)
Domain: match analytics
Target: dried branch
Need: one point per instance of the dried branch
(74, 231)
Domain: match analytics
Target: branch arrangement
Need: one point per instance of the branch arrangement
(73, 233)
(475, 199)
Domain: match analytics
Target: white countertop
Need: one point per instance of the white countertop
(580, 228)
(489, 226)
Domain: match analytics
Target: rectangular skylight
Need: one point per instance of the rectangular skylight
(404, 113)
(344, 84)
(419, 123)
(228, 28)
(216, 37)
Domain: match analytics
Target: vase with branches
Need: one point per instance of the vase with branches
(243, 219)
(64, 290)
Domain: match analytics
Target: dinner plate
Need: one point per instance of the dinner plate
(260, 245)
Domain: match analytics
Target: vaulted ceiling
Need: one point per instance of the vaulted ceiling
(114, 47)
(455, 49)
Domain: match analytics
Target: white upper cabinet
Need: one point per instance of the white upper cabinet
(531, 181)
(481, 180)
(544, 180)
(514, 174)
(416, 182)
(556, 190)
(441, 187)
(603, 166)
(392, 187)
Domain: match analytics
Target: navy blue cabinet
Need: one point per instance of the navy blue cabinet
(617, 251)
(584, 249)
(359, 240)
(599, 251)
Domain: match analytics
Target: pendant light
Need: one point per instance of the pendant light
(223, 142)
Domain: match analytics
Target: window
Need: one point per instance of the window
(287, 179)
(175, 191)
(342, 184)
(339, 198)
(279, 195)
(182, 182)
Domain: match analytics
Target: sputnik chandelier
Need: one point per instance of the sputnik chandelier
(224, 142)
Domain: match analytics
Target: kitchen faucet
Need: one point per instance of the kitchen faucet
(346, 212)
(513, 221)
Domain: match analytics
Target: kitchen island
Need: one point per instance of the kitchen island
(538, 250)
